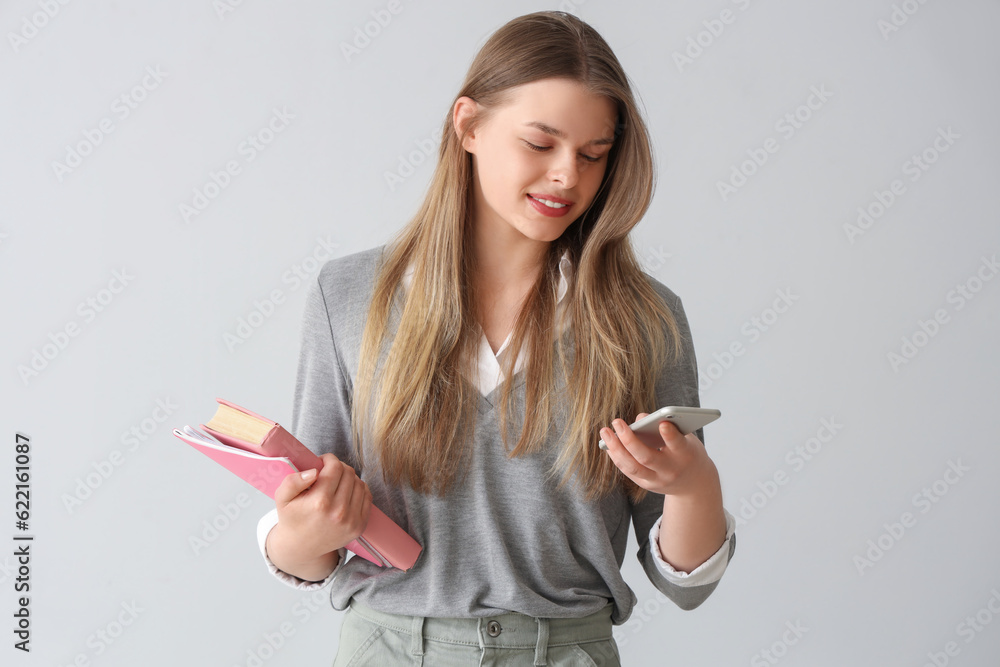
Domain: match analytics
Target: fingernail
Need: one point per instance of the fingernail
(308, 475)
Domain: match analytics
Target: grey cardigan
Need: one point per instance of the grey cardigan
(505, 538)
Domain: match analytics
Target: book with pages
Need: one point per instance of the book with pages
(262, 452)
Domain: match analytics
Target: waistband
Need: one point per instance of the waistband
(509, 630)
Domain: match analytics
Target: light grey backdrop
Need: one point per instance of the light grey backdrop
(826, 208)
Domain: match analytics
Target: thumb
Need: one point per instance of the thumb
(294, 484)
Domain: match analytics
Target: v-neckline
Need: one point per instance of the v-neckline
(490, 398)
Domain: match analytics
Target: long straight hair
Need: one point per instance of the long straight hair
(413, 406)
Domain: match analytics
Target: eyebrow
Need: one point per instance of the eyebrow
(548, 129)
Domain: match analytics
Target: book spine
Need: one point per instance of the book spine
(279, 442)
(390, 541)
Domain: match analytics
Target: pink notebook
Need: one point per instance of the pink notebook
(264, 465)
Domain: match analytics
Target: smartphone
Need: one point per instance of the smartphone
(687, 420)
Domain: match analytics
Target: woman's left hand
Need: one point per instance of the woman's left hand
(680, 467)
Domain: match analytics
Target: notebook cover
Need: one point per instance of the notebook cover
(382, 535)
(264, 474)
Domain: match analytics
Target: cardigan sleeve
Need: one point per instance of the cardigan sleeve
(264, 526)
(678, 385)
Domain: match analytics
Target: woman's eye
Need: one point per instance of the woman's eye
(541, 149)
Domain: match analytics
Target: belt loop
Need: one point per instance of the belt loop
(542, 644)
(417, 636)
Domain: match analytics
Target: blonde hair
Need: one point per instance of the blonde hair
(412, 401)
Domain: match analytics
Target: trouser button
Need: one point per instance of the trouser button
(493, 628)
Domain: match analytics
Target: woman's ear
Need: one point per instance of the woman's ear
(464, 111)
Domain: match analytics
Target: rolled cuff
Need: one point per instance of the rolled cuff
(264, 526)
(708, 572)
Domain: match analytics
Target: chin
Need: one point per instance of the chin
(545, 235)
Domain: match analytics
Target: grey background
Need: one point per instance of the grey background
(162, 337)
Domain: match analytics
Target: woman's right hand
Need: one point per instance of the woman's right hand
(321, 513)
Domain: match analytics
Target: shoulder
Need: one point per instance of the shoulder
(676, 308)
(343, 289)
(668, 295)
(354, 269)
(350, 278)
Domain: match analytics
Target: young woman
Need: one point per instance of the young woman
(460, 377)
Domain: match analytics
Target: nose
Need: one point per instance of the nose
(565, 169)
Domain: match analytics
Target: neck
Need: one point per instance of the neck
(506, 260)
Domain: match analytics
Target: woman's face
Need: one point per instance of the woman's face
(572, 130)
